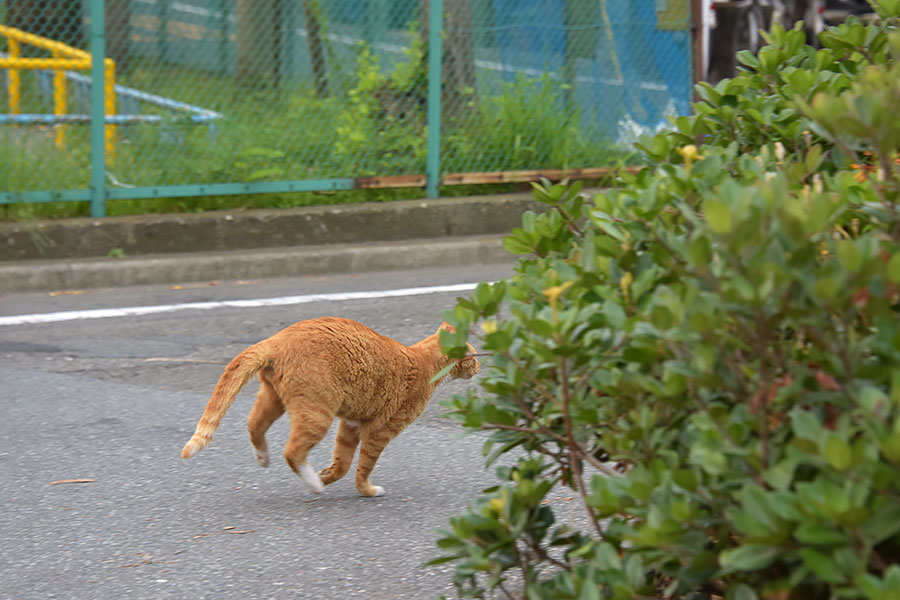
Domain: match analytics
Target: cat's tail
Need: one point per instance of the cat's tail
(240, 371)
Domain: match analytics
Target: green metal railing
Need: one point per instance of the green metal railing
(229, 97)
(98, 98)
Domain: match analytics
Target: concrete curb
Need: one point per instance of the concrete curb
(73, 253)
(49, 275)
(218, 231)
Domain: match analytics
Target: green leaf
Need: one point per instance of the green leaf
(821, 565)
(584, 550)
(890, 447)
(849, 255)
(514, 244)
(614, 313)
(499, 341)
(805, 425)
(895, 386)
(482, 295)
(813, 158)
(745, 57)
(837, 453)
(820, 535)
(873, 400)
(634, 570)
(826, 288)
(263, 152)
(742, 591)
(711, 461)
(440, 374)
(893, 268)
(700, 252)
(589, 591)
(718, 215)
(749, 557)
(610, 229)
(686, 479)
(541, 327)
(780, 475)
(264, 173)
(819, 213)
(892, 582)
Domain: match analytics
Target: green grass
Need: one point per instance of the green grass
(289, 134)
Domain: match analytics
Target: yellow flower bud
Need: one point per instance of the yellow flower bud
(689, 153)
(554, 292)
(489, 327)
(625, 283)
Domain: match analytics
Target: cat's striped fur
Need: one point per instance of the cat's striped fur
(324, 368)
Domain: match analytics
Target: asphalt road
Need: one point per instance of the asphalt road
(113, 400)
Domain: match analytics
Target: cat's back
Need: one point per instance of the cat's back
(339, 355)
(335, 339)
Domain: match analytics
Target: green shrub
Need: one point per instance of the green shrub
(709, 356)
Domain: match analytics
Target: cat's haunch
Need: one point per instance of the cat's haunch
(324, 368)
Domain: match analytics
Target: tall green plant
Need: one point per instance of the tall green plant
(526, 126)
(709, 357)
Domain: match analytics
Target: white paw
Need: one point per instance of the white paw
(311, 478)
(379, 491)
(262, 457)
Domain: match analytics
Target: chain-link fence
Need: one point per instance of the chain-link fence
(333, 94)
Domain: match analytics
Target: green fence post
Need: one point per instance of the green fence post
(433, 159)
(98, 110)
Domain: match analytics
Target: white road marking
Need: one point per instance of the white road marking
(136, 311)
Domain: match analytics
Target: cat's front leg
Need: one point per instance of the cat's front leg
(344, 448)
(372, 443)
(307, 429)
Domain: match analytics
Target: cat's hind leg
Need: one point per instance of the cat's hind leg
(309, 424)
(344, 448)
(267, 410)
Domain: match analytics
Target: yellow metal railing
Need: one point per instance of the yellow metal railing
(64, 57)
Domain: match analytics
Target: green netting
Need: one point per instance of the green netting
(217, 91)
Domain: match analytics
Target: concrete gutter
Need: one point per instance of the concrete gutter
(75, 253)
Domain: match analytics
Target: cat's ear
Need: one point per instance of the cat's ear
(447, 326)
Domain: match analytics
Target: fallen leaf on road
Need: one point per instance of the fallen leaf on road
(242, 531)
(67, 293)
(146, 559)
(228, 527)
(72, 481)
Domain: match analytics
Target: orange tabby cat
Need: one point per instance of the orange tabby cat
(320, 369)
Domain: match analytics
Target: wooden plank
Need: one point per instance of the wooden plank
(483, 178)
(532, 175)
(394, 181)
